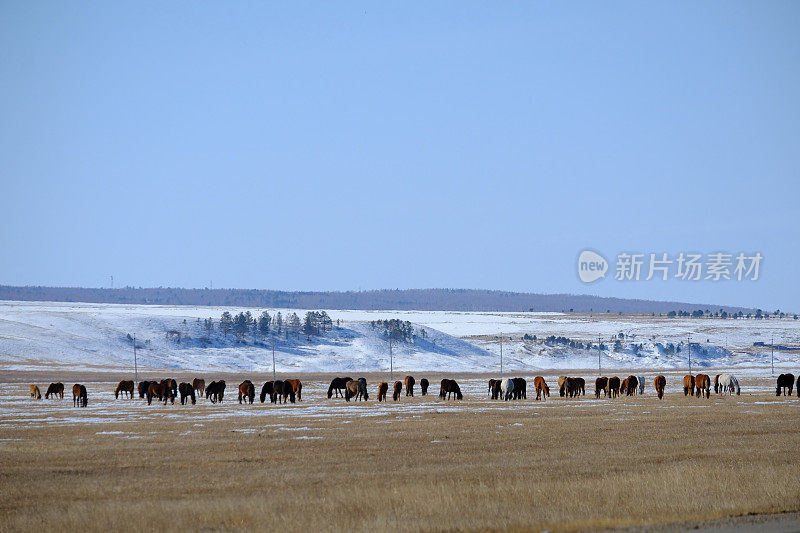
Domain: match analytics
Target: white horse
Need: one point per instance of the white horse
(506, 388)
(728, 383)
(641, 384)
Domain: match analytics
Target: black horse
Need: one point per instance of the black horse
(449, 386)
(266, 390)
(338, 385)
(281, 390)
(423, 383)
(785, 381)
(143, 386)
(215, 391)
(187, 391)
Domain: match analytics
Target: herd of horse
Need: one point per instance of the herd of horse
(290, 390)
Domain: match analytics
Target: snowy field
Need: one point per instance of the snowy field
(95, 337)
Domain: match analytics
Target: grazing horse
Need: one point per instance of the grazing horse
(55, 389)
(494, 388)
(35, 392)
(143, 386)
(632, 383)
(785, 381)
(541, 387)
(702, 384)
(688, 385)
(409, 381)
(297, 387)
(600, 384)
(423, 384)
(186, 390)
(199, 385)
(506, 388)
(580, 386)
(125, 386)
(159, 390)
(266, 390)
(215, 391)
(383, 388)
(640, 379)
(356, 389)
(398, 390)
(79, 397)
(613, 387)
(281, 390)
(727, 383)
(449, 386)
(247, 391)
(520, 389)
(338, 385)
(562, 381)
(660, 384)
(717, 384)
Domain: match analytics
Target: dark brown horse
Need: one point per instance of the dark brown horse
(199, 386)
(494, 388)
(35, 392)
(297, 387)
(398, 390)
(356, 389)
(688, 385)
(266, 390)
(600, 384)
(562, 386)
(578, 386)
(785, 382)
(449, 386)
(215, 391)
(143, 386)
(55, 389)
(281, 390)
(79, 396)
(716, 384)
(186, 390)
(338, 386)
(702, 385)
(660, 384)
(409, 382)
(520, 389)
(125, 386)
(383, 388)
(633, 384)
(541, 387)
(247, 391)
(613, 387)
(423, 384)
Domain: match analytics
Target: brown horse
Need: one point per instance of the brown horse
(688, 385)
(494, 388)
(449, 386)
(297, 387)
(186, 390)
(398, 390)
(356, 389)
(562, 382)
(520, 389)
(785, 381)
(247, 391)
(660, 384)
(579, 386)
(702, 384)
(158, 390)
(55, 389)
(633, 384)
(199, 386)
(409, 381)
(613, 387)
(143, 386)
(541, 387)
(125, 386)
(423, 384)
(716, 384)
(338, 385)
(383, 388)
(600, 384)
(281, 390)
(79, 396)
(35, 392)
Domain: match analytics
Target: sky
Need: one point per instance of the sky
(351, 145)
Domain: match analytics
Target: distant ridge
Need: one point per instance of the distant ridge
(406, 299)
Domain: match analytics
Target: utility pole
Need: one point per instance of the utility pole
(274, 378)
(689, 343)
(772, 356)
(135, 364)
(391, 359)
(501, 357)
(599, 364)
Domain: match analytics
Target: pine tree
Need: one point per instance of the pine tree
(225, 323)
(263, 323)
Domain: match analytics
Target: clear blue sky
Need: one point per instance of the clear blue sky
(397, 145)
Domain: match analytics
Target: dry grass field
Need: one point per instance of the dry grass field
(418, 464)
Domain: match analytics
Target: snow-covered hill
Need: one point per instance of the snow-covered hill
(36, 335)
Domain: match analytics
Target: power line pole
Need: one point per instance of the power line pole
(391, 359)
(772, 356)
(501, 357)
(135, 364)
(274, 378)
(689, 343)
(599, 364)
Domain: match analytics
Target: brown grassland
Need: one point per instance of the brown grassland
(419, 464)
